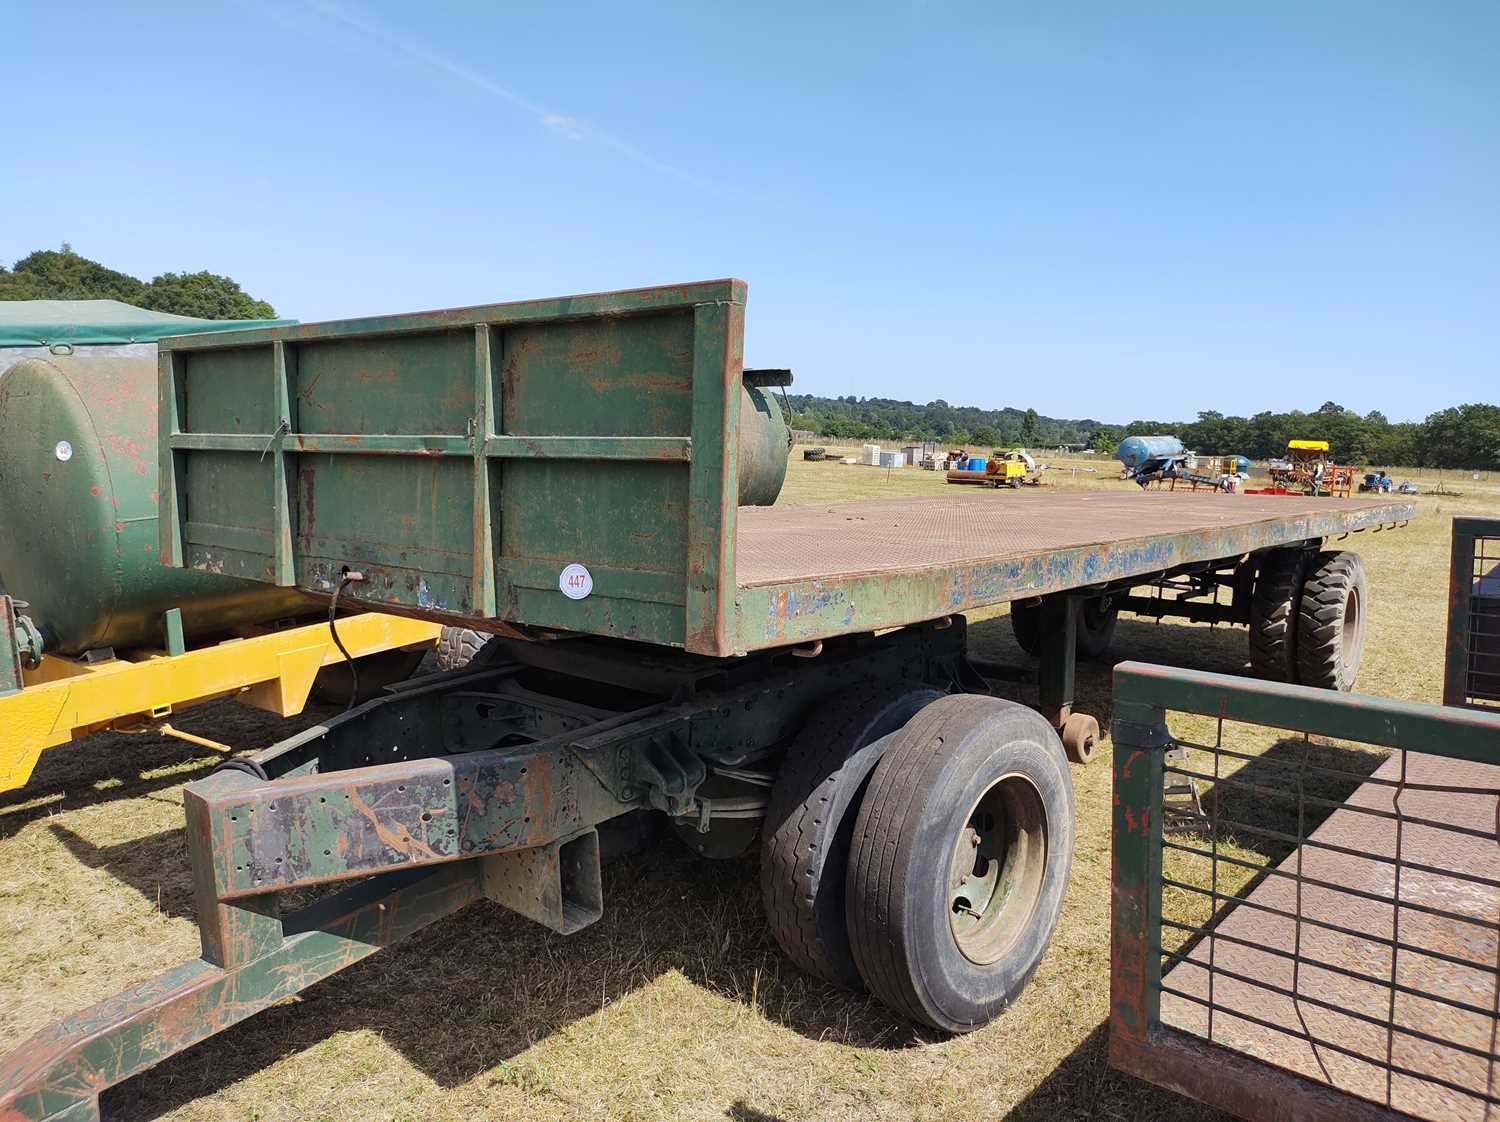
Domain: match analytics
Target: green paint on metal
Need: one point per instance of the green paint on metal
(1459, 734)
(463, 459)
(78, 457)
(1471, 669)
(171, 624)
(1143, 696)
(12, 647)
(773, 615)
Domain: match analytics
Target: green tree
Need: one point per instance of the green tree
(204, 295)
(61, 274)
(1466, 436)
(52, 274)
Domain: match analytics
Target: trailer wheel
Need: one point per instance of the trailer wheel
(1273, 615)
(1331, 621)
(961, 855)
(1097, 619)
(804, 852)
(457, 647)
(1026, 626)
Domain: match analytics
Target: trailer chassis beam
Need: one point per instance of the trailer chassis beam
(468, 786)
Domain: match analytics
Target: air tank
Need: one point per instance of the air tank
(78, 511)
(764, 441)
(1137, 450)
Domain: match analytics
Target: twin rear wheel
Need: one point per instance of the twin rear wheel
(924, 859)
(1307, 619)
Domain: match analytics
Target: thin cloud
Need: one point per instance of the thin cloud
(404, 48)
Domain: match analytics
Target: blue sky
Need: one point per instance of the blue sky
(1094, 209)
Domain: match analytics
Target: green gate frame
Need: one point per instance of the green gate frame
(1143, 696)
(1476, 542)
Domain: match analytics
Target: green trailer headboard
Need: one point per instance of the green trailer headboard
(463, 459)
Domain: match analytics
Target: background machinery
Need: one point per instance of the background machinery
(1162, 461)
(1308, 470)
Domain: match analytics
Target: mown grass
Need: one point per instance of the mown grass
(677, 1004)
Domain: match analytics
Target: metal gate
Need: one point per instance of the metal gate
(1472, 673)
(1312, 928)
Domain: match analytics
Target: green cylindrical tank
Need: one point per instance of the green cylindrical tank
(764, 443)
(78, 510)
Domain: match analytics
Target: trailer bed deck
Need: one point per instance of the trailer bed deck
(810, 572)
(463, 461)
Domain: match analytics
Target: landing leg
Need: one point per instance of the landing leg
(1059, 658)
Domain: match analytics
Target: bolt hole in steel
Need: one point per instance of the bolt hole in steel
(995, 876)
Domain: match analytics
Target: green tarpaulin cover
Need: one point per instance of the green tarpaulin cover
(33, 323)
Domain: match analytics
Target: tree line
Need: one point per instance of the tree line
(53, 274)
(1463, 436)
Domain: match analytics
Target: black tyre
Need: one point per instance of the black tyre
(458, 645)
(1331, 621)
(960, 860)
(804, 852)
(1026, 626)
(1273, 615)
(334, 684)
(1096, 627)
(1097, 619)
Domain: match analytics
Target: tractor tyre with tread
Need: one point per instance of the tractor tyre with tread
(457, 647)
(1273, 615)
(1331, 621)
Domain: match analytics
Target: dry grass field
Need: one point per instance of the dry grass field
(677, 1004)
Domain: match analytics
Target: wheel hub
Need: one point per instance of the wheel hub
(995, 873)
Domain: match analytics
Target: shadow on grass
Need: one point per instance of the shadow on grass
(1261, 809)
(1220, 649)
(1085, 1087)
(744, 1112)
(477, 989)
(156, 866)
(115, 765)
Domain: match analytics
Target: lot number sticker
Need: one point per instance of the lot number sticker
(575, 581)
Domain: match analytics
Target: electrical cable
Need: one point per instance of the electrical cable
(351, 576)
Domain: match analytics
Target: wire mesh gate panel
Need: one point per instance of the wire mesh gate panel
(1472, 674)
(1323, 938)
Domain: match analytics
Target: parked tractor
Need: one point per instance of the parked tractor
(1308, 469)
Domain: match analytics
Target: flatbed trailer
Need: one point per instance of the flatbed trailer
(567, 475)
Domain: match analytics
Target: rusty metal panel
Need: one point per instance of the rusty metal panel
(461, 460)
(1299, 953)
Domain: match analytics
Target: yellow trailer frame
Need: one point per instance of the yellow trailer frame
(63, 699)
